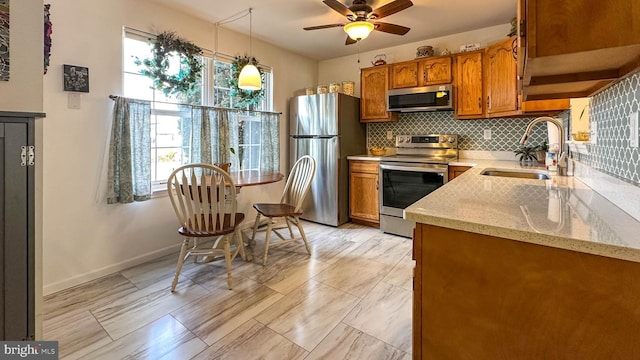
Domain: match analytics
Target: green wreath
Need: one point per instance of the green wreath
(165, 46)
(244, 98)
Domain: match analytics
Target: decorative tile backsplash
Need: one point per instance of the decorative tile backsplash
(610, 112)
(505, 133)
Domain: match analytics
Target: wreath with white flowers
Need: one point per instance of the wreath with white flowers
(165, 46)
(244, 98)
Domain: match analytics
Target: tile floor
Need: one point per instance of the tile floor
(351, 299)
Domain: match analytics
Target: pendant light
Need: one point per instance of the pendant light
(249, 78)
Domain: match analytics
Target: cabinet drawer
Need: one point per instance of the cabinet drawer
(364, 166)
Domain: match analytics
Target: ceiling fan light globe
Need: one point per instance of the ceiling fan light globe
(358, 30)
(249, 78)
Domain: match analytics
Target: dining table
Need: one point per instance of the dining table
(242, 178)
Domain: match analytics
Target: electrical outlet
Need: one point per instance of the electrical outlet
(633, 130)
(389, 135)
(487, 134)
(73, 101)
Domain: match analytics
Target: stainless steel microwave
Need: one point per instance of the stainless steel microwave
(426, 98)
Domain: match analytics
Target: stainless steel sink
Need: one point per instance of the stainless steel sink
(517, 173)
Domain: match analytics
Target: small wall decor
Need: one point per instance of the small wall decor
(48, 29)
(76, 78)
(4, 40)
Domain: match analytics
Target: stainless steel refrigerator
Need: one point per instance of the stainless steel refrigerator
(327, 127)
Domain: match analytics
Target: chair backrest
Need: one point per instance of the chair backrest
(299, 182)
(197, 194)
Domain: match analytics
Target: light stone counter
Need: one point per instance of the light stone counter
(364, 157)
(562, 212)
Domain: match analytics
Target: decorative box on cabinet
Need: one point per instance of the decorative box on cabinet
(17, 233)
(374, 83)
(363, 192)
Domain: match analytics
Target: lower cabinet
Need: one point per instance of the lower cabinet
(363, 192)
(456, 170)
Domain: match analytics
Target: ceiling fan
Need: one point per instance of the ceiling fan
(363, 19)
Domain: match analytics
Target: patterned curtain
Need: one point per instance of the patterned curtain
(270, 142)
(129, 174)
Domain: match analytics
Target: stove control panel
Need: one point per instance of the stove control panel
(427, 141)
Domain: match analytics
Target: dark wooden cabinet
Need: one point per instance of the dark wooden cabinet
(17, 229)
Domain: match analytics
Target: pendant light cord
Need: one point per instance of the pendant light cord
(251, 33)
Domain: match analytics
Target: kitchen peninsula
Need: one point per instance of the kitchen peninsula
(510, 268)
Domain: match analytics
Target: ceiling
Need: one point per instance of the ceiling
(281, 22)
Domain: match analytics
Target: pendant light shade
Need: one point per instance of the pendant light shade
(358, 30)
(249, 78)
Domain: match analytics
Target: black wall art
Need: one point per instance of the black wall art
(76, 78)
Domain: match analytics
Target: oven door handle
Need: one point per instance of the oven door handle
(441, 171)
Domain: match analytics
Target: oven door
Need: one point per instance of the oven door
(402, 184)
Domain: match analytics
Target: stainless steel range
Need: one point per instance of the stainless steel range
(419, 167)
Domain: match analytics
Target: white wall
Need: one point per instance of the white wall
(23, 91)
(85, 238)
(348, 68)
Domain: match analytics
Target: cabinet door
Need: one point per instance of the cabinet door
(457, 170)
(500, 77)
(404, 75)
(374, 82)
(363, 191)
(16, 238)
(435, 71)
(469, 89)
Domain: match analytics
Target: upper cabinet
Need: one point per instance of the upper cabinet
(404, 74)
(374, 83)
(576, 48)
(435, 71)
(425, 72)
(500, 78)
(468, 85)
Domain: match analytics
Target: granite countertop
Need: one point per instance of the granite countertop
(364, 157)
(562, 212)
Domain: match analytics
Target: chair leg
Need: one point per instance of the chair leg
(183, 253)
(266, 242)
(227, 259)
(286, 219)
(304, 237)
(255, 229)
(240, 244)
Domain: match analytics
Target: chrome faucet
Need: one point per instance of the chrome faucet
(562, 161)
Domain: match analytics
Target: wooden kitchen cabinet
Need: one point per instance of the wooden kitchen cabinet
(469, 89)
(457, 170)
(404, 74)
(435, 71)
(363, 192)
(509, 299)
(374, 83)
(500, 79)
(576, 48)
(426, 72)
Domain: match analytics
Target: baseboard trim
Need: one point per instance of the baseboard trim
(108, 270)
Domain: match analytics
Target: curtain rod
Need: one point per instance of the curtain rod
(114, 97)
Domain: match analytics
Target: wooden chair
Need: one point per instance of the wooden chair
(290, 206)
(203, 197)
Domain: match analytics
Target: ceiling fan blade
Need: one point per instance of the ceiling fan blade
(349, 41)
(323, 26)
(391, 28)
(338, 6)
(391, 8)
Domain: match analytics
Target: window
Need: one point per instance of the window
(169, 135)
